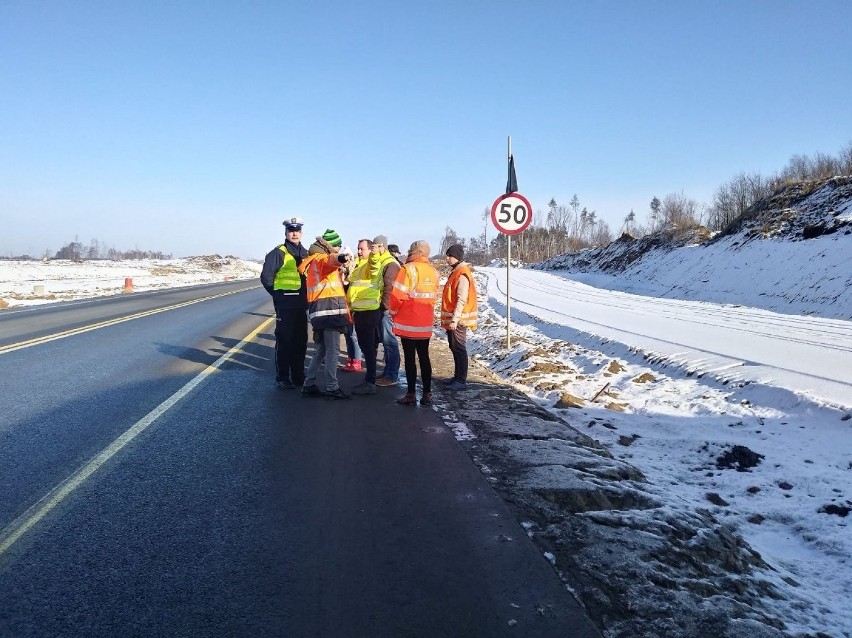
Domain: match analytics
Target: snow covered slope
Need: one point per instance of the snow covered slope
(792, 254)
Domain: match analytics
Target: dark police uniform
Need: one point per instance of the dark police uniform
(281, 278)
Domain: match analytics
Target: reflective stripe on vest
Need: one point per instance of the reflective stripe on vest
(287, 277)
(327, 307)
(411, 331)
(413, 298)
(322, 286)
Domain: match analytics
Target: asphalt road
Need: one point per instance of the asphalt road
(153, 481)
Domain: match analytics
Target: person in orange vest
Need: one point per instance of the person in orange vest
(281, 279)
(328, 312)
(458, 313)
(412, 306)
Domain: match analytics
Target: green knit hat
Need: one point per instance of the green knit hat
(332, 237)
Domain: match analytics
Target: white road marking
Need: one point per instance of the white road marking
(26, 521)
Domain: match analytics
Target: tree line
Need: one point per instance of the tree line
(571, 227)
(77, 251)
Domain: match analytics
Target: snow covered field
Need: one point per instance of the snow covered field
(743, 412)
(27, 283)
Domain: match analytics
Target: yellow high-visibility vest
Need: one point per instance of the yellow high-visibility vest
(287, 277)
(365, 291)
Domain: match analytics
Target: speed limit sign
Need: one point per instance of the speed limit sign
(511, 213)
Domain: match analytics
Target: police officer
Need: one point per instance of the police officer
(280, 276)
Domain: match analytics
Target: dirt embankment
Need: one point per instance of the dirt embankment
(640, 569)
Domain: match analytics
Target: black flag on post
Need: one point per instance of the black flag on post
(512, 183)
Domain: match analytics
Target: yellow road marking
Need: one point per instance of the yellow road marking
(95, 326)
(23, 523)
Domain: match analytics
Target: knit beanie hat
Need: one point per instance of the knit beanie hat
(332, 237)
(457, 251)
(322, 246)
(381, 239)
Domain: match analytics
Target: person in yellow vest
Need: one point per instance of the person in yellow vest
(365, 294)
(281, 279)
(390, 344)
(353, 348)
(412, 306)
(328, 312)
(458, 313)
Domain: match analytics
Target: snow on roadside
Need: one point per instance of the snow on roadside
(776, 470)
(27, 283)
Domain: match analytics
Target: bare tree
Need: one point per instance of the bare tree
(678, 212)
(476, 250)
(575, 204)
(486, 217)
(802, 168)
(450, 237)
(732, 198)
(629, 222)
(93, 251)
(73, 251)
(654, 218)
(601, 235)
(845, 159)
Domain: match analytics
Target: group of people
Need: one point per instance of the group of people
(379, 295)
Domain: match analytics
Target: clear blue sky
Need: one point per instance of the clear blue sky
(197, 127)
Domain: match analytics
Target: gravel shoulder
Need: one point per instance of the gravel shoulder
(639, 567)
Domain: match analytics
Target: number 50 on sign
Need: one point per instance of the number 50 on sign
(511, 213)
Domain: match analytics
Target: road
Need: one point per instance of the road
(155, 482)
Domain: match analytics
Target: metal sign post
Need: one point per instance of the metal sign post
(509, 186)
(511, 214)
(508, 296)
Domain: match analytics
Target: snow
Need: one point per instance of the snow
(718, 376)
(811, 277)
(733, 344)
(688, 372)
(29, 283)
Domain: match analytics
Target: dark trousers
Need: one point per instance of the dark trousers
(457, 340)
(291, 344)
(368, 324)
(421, 348)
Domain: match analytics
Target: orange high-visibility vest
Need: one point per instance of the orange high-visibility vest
(327, 307)
(412, 302)
(449, 299)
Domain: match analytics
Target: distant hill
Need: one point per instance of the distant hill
(790, 252)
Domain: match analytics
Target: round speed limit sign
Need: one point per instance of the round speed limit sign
(511, 213)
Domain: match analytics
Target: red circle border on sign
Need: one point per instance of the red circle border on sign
(494, 210)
